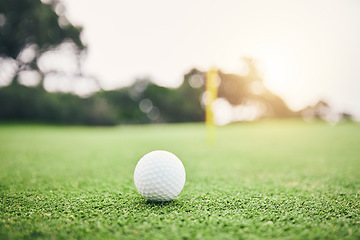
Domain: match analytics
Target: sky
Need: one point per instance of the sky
(306, 50)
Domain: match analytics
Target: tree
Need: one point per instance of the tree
(28, 28)
(241, 91)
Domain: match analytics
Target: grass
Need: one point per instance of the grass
(272, 179)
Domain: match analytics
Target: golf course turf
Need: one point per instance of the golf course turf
(280, 179)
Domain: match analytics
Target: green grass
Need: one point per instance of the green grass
(273, 179)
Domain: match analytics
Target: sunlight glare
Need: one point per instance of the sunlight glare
(278, 66)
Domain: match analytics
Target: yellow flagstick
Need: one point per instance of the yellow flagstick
(211, 95)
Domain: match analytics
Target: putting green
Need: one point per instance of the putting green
(282, 179)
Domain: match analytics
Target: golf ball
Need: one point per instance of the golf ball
(159, 176)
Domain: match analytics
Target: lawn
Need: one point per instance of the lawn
(282, 179)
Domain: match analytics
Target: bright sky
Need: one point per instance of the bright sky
(307, 49)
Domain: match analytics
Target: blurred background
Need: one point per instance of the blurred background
(119, 62)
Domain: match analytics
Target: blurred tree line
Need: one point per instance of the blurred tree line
(142, 102)
(31, 28)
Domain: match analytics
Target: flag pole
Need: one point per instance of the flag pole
(211, 95)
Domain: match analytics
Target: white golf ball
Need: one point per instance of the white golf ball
(159, 176)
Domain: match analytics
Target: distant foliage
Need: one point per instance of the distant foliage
(143, 102)
(322, 110)
(29, 28)
(245, 91)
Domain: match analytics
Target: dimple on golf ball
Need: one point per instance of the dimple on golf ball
(159, 176)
